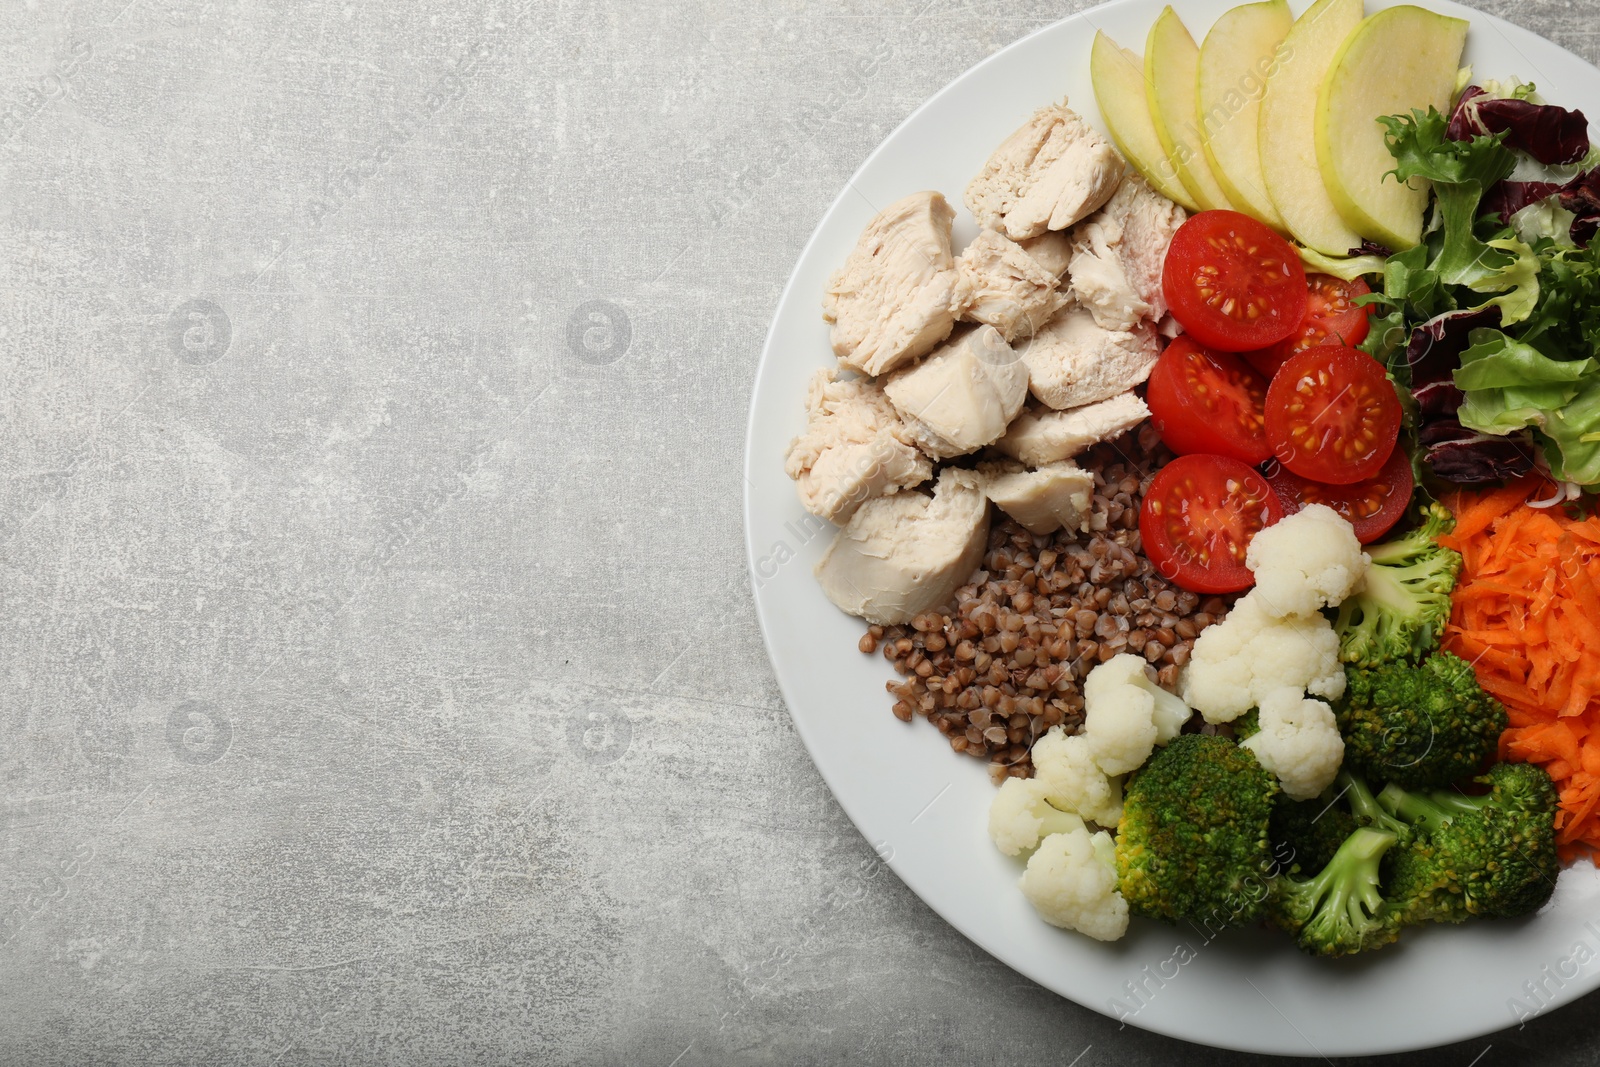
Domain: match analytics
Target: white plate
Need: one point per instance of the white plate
(924, 807)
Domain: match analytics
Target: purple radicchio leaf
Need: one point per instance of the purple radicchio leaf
(1370, 248)
(1553, 135)
(1433, 354)
(1506, 198)
(1467, 457)
(1581, 196)
(1463, 125)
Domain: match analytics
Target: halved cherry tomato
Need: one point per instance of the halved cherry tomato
(1198, 518)
(1332, 318)
(1232, 283)
(1372, 506)
(1205, 401)
(1332, 415)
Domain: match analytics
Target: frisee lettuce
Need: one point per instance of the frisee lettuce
(1461, 172)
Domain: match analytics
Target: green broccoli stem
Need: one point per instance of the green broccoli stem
(1384, 588)
(1436, 519)
(1399, 551)
(1366, 807)
(1343, 898)
(1412, 808)
(1432, 810)
(1354, 872)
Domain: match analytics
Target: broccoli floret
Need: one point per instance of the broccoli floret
(1341, 909)
(1401, 608)
(1193, 842)
(1424, 884)
(1306, 833)
(1492, 855)
(1419, 727)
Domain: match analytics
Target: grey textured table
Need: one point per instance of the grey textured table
(380, 677)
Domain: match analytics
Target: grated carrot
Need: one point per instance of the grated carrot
(1526, 614)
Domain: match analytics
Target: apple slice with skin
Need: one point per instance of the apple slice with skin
(1171, 75)
(1288, 138)
(1400, 59)
(1239, 54)
(1118, 78)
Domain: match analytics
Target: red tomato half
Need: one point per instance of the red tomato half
(1198, 518)
(1372, 506)
(1332, 415)
(1332, 318)
(1205, 401)
(1232, 283)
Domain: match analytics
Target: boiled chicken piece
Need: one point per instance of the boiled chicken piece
(893, 300)
(1055, 496)
(1041, 436)
(1003, 286)
(904, 554)
(1073, 361)
(1048, 175)
(1051, 250)
(855, 448)
(962, 396)
(1117, 255)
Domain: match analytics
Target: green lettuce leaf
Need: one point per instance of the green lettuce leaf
(1572, 437)
(1495, 361)
(1508, 385)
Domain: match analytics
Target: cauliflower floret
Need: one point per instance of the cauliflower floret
(1237, 662)
(1127, 714)
(1305, 562)
(1072, 883)
(1299, 742)
(1073, 780)
(1020, 815)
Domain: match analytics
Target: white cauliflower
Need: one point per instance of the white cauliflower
(1237, 662)
(1299, 742)
(1305, 562)
(1073, 780)
(1072, 883)
(1021, 815)
(1127, 714)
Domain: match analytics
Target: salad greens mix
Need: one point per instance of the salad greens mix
(1492, 321)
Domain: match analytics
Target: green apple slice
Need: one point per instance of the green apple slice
(1238, 55)
(1118, 78)
(1288, 138)
(1399, 59)
(1171, 74)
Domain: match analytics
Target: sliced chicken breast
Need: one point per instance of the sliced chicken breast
(905, 554)
(1001, 285)
(855, 448)
(1051, 250)
(1074, 361)
(894, 298)
(962, 396)
(1117, 255)
(1048, 175)
(1040, 436)
(1055, 496)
